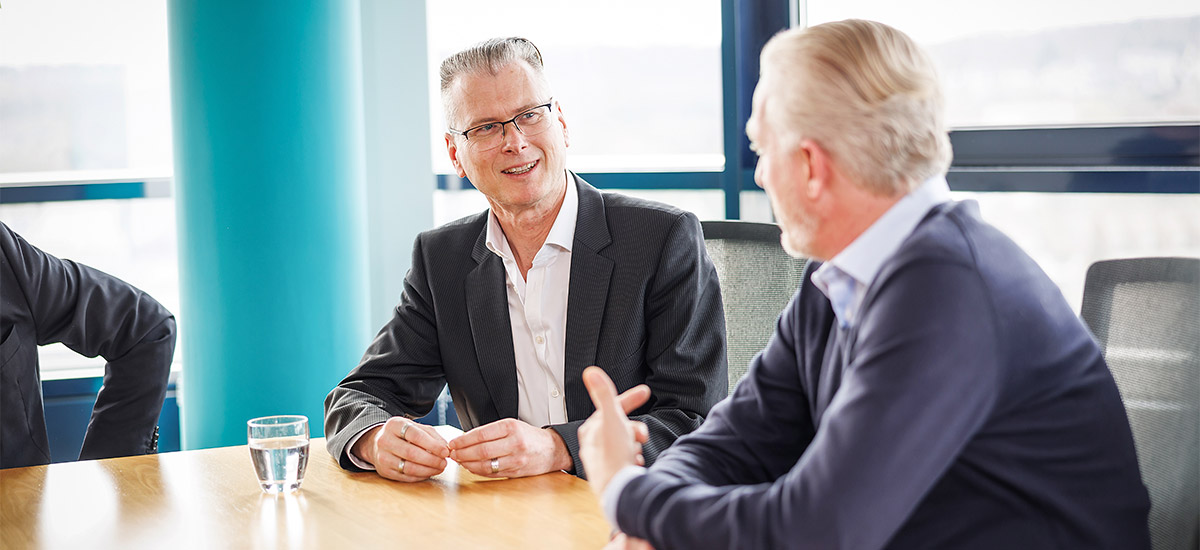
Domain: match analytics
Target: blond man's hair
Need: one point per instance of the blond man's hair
(866, 93)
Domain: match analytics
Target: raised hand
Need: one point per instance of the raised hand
(609, 441)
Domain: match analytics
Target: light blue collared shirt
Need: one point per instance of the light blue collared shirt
(848, 274)
(844, 279)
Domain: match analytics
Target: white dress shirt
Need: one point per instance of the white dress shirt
(844, 279)
(537, 311)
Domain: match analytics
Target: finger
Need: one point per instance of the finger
(487, 432)
(486, 450)
(617, 542)
(394, 448)
(634, 397)
(602, 391)
(415, 455)
(391, 467)
(417, 471)
(641, 433)
(427, 438)
(484, 468)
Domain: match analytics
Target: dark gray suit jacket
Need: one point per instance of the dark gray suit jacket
(47, 300)
(969, 408)
(643, 304)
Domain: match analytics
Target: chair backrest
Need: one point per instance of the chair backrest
(757, 280)
(1145, 314)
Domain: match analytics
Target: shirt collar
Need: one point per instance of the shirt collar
(863, 258)
(562, 233)
(845, 277)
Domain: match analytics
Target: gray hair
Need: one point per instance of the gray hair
(491, 56)
(866, 93)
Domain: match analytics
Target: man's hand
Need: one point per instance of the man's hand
(609, 441)
(515, 448)
(625, 542)
(403, 450)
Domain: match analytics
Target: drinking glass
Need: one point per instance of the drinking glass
(279, 449)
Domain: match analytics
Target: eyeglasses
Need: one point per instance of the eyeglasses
(488, 136)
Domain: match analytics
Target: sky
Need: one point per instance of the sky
(936, 21)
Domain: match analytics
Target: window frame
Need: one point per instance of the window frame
(1151, 158)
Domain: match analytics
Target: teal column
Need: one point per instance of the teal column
(270, 200)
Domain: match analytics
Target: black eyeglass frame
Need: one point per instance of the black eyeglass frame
(512, 120)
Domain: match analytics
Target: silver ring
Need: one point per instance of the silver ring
(403, 463)
(404, 430)
(495, 465)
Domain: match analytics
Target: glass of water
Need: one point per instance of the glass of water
(279, 449)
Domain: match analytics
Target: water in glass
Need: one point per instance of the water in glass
(280, 462)
(279, 450)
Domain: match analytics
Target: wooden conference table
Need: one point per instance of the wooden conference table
(211, 499)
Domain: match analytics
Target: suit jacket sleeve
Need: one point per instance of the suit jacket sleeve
(96, 314)
(685, 344)
(399, 375)
(758, 475)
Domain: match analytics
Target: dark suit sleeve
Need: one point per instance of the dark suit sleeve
(399, 375)
(96, 314)
(685, 344)
(922, 382)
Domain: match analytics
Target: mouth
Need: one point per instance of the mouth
(518, 170)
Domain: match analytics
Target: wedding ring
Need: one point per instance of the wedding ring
(495, 465)
(403, 463)
(404, 430)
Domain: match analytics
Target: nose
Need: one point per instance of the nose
(514, 139)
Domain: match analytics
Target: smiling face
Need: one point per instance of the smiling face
(525, 172)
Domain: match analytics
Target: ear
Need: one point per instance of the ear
(563, 120)
(820, 169)
(452, 149)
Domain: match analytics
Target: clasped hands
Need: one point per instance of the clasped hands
(403, 450)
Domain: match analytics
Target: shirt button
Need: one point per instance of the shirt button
(554, 393)
(540, 340)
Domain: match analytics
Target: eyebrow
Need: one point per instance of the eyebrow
(520, 110)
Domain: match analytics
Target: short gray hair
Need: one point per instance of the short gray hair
(866, 93)
(491, 56)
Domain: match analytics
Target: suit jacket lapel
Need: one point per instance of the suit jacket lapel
(491, 329)
(586, 298)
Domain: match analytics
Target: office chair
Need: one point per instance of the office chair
(757, 280)
(1145, 314)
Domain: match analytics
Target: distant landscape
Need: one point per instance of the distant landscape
(622, 101)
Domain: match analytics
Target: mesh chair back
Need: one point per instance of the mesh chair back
(757, 280)
(1145, 314)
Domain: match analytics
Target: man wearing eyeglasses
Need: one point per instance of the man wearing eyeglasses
(508, 307)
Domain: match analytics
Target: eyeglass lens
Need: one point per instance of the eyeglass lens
(530, 123)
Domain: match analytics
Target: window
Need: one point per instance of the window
(1038, 63)
(84, 87)
(1064, 83)
(85, 98)
(639, 81)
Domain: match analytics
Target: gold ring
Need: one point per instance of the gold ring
(403, 463)
(495, 465)
(404, 430)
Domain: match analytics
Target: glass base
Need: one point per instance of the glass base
(280, 487)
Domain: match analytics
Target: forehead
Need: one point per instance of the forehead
(482, 96)
(756, 126)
